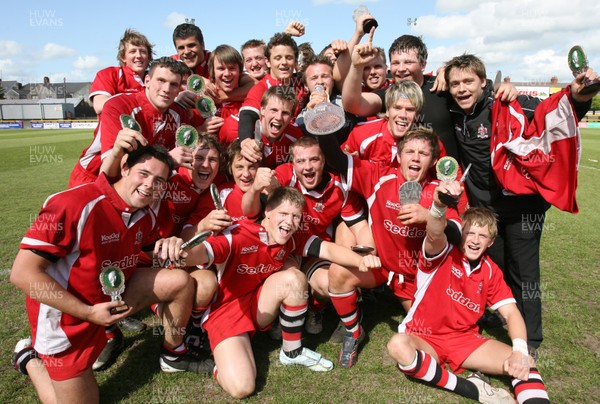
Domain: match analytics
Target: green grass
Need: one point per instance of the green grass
(35, 164)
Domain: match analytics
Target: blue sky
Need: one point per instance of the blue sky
(528, 40)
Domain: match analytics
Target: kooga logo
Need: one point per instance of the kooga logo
(111, 238)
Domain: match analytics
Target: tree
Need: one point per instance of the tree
(595, 103)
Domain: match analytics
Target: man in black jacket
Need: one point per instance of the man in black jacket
(521, 217)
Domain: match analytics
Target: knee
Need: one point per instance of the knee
(206, 286)
(339, 275)
(400, 349)
(177, 282)
(240, 387)
(319, 282)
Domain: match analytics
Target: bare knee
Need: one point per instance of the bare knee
(401, 349)
(340, 278)
(238, 387)
(177, 282)
(206, 286)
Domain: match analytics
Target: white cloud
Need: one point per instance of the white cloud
(527, 39)
(86, 62)
(9, 48)
(55, 51)
(174, 19)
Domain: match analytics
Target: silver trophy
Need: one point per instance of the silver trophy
(325, 118)
(410, 193)
(369, 23)
(112, 280)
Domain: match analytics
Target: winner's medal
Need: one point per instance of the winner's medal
(186, 135)
(206, 107)
(112, 280)
(578, 64)
(410, 193)
(195, 83)
(446, 169)
(129, 122)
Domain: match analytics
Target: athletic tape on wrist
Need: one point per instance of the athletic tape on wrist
(520, 345)
(436, 211)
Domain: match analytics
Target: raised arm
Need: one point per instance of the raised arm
(353, 99)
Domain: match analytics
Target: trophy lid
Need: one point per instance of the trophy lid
(325, 118)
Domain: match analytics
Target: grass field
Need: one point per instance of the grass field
(37, 163)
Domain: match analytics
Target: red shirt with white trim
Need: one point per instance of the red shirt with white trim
(86, 229)
(397, 244)
(157, 128)
(324, 206)
(115, 80)
(244, 258)
(451, 296)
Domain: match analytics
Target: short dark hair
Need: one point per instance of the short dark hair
(207, 141)
(187, 30)
(285, 194)
(304, 141)
(154, 150)
(315, 60)
(284, 93)
(407, 42)
(281, 39)
(425, 134)
(175, 66)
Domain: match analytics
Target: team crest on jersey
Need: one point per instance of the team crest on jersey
(457, 272)
(139, 236)
(280, 255)
(482, 132)
(480, 287)
(319, 207)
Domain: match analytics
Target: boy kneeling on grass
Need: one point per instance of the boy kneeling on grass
(257, 285)
(454, 284)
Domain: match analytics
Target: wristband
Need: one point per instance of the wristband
(436, 211)
(520, 345)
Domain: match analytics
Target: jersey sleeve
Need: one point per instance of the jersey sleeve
(203, 208)
(111, 125)
(54, 229)
(104, 83)
(220, 246)
(353, 209)
(429, 264)
(284, 173)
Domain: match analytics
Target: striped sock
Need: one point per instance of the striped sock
(291, 319)
(532, 391)
(346, 306)
(425, 368)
